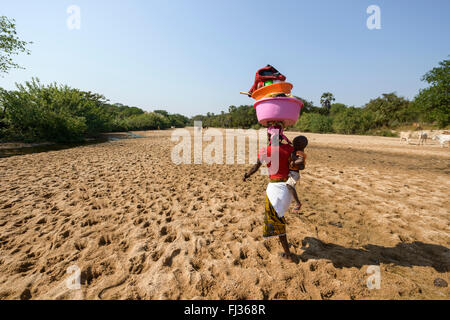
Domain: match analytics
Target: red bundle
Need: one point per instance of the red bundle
(265, 74)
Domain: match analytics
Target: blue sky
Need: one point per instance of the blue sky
(195, 56)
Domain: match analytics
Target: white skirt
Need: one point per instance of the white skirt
(279, 196)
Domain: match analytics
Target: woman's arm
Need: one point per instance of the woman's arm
(252, 170)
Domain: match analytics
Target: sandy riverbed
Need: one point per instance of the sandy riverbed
(140, 227)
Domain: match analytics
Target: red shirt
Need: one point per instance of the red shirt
(284, 152)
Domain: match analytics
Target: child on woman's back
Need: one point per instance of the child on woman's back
(297, 163)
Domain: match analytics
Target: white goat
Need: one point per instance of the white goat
(405, 136)
(442, 138)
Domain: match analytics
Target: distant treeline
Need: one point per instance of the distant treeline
(430, 107)
(35, 112)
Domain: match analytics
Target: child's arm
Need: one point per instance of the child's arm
(299, 161)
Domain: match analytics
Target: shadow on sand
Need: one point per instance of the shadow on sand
(403, 254)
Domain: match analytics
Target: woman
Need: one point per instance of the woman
(278, 196)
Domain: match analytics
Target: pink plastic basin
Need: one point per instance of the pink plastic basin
(278, 109)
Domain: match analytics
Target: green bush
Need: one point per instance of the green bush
(433, 103)
(237, 117)
(390, 108)
(314, 122)
(178, 120)
(53, 113)
(147, 121)
(34, 112)
(337, 108)
(353, 121)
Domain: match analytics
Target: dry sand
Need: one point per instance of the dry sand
(140, 227)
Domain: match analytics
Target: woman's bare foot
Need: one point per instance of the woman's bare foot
(297, 208)
(291, 257)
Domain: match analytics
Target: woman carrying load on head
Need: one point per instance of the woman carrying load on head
(278, 196)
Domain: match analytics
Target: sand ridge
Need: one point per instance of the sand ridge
(140, 227)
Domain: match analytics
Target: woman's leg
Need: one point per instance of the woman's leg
(287, 252)
(276, 226)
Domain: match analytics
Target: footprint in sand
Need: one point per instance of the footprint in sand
(168, 260)
(104, 240)
(137, 264)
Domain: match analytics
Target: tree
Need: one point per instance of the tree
(308, 106)
(178, 120)
(390, 110)
(326, 100)
(337, 108)
(352, 121)
(10, 45)
(164, 113)
(433, 103)
(314, 122)
(53, 113)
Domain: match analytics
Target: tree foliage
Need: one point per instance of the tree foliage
(237, 117)
(315, 122)
(38, 112)
(390, 110)
(35, 112)
(10, 45)
(326, 100)
(433, 103)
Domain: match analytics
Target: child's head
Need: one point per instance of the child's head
(300, 143)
